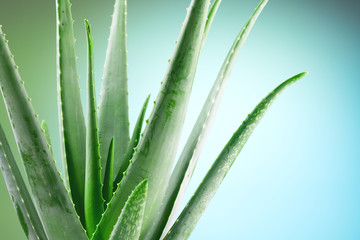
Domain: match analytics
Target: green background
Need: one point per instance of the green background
(298, 176)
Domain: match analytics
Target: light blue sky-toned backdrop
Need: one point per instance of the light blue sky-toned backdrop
(298, 177)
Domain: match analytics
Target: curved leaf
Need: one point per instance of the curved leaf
(211, 15)
(189, 217)
(50, 195)
(20, 196)
(185, 166)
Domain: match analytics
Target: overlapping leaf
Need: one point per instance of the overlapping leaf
(157, 148)
(128, 226)
(185, 166)
(133, 143)
(189, 217)
(71, 117)
(20, 196)
(114, 110)
(94, 203)
(109, 171)
(50, 195)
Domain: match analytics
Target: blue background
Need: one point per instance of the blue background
(298, 175)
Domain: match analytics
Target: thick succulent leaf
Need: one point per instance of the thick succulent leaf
(189, 217)
(108, 183)
(45, 129)
(133, 143)
(185, 166)
(157, 148)
(20, 196)
(210, 19)
(114, 108)
(71, 118)
(128, 226)
(50, 195)
(94, 203)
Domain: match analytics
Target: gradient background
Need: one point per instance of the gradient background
(298, 176)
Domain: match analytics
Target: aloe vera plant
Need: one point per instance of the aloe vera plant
(114, 186)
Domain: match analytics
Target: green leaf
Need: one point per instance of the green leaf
(20, 197)
(189, 217)
(108, 183)
(128, 226)
(94, 203)
(210, 19)
(113, 212)
(45, 129)
(114, 109)
(185, 166)
(71, 118)
(156, 151)
(50, 195)
(133, 143)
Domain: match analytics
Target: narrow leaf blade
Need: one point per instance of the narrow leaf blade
(156, 151)
(114, 108)
(133, 143)
(185, 166)
(211, 15)
(128, 226)
(94, 203)
(189, 217)
(108, 183)
(71, 117)
(50, 195)
(20, 196)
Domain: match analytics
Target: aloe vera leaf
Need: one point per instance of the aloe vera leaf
(103, 231)
(114, 109)
(45, 129)
(189, 217)
(94, 203)
(50, 195)
(20, 196)
(71, 118)
(128, 226)
(156, 151)
(133, 143)
(211, 15)
(185, 166)
(108, 183)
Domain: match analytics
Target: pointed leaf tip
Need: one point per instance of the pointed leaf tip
(87, 26)
(186, 164)
(191, 214)
(71, 117)
(157, 148)
(108, 186)
(134, 141)
(36, 156)
(94, 203)
(113, 113)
